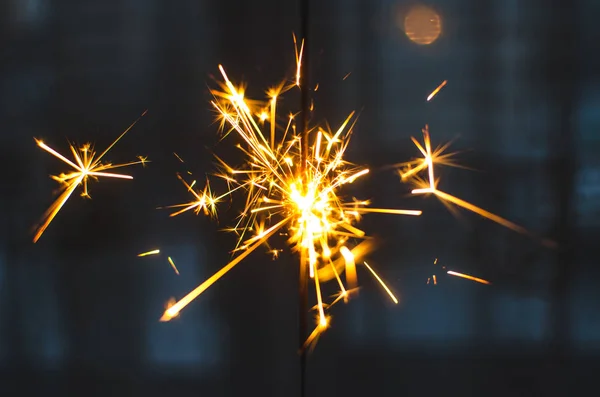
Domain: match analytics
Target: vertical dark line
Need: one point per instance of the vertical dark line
(483, 42)
(305, 108)
(561, 64)
(561, 76)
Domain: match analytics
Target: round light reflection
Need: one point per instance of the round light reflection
(422, 25)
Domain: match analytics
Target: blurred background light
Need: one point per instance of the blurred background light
(422, 25)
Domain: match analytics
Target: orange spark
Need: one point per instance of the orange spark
(86, 165)
(430, 186)
(312, 339)
(434, 92)
(480, 211)
(178, 158)
(174, 309)
(385, 287)
(173, 265)
(298, 59)
(478, 280)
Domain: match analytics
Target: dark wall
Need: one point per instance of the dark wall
(79, 311)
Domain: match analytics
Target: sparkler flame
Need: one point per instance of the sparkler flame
(282, 192)
(86, 165)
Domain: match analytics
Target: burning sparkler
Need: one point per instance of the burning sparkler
(86, 165)
(283, 192)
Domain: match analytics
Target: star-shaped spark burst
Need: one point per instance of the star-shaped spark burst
(204, 201)
(85, 165)
(411, 170)
(305, 200)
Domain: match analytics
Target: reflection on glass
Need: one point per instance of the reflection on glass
(422, 25)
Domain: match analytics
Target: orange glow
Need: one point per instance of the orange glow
(351, 277)
(422, 25)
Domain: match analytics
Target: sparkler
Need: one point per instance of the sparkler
(169, 259)
(86, 165)
(290, 185)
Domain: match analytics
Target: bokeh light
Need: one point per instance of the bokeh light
(422, 25)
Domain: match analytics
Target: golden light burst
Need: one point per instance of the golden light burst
(85, 165)
(204, 201)
(410, 171)
(306, 200)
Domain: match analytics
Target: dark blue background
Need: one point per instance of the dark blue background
(79, 311)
